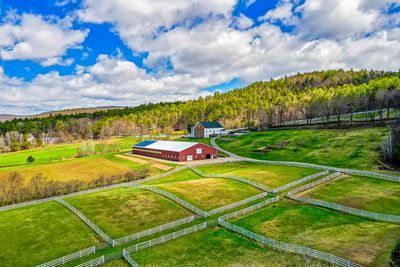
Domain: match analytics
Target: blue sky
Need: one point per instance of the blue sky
(69, 53)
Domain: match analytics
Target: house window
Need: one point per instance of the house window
(199, 151)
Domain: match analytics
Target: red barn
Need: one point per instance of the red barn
(174, 150)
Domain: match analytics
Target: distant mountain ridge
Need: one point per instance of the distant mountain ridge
(8, 117)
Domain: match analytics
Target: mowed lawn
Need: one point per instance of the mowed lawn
(356, 148)
(216, 247)
(210, 193)
(84, 169)
(363, 241)
(360, 192)
(270, 175)
(37, 234)
(124, 211)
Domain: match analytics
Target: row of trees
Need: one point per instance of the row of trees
(324, 94)
(14, 188)
(390, 148)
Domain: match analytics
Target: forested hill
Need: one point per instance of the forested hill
(261, 104)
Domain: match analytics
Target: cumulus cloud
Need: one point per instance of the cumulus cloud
(193, 45)
(32, 37)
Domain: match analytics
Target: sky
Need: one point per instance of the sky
(68, 53)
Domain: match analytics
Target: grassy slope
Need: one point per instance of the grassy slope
(36, 234)
(125, 211)
(366, 242)
(215, 247)
(270, 175)
(84, 169)
(350, 148)
(360, 192)
(210, 193)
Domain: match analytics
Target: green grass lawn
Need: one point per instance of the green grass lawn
(116, 263)
(216, 247)
(40, 233)
(356, 148)
(270, 175)
(210, 193)
(206, 141)
(124, 211)
(366, 242)
(360, 192)
(181, 176)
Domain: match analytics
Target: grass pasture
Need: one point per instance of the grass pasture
(124, 211)
(270, 175)
(356, 148)
(366, 242)
(360, 192)
(84, 169)
(215, 247)
(40, 233)
(210, 193)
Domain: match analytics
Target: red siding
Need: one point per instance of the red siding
(178, 156)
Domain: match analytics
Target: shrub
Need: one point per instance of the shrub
(30, 159)
(395, 256)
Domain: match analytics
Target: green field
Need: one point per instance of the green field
(40, 233)
(210, 193)
(124, 211)
(350, 148)
(270, 175)
(360, 192)
(181, 176)
(363, 241)
(216, 247)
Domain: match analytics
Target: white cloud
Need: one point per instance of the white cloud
(190, 54)
(31, 37)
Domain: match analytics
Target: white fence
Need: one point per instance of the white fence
(95, 262)
(313, 184)
(154, 230)
(350, 210)
(70, 257)
(249, 209)
(165, 238)
(389, 177)
(289, 247)
(94, 227)
(236, 204)
(129, 259)
(300, 181)
(175, 198)
(232, 177)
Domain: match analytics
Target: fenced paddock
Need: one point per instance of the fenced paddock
(237, 178)
(154, 230)
(332, 259)
(313, 184)
(350, 210)
(129, 259)
(166, 238)
(70, 257)
(94, 227)
(169, 195)
(300, 181)
(95, 262)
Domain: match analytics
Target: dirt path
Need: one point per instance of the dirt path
(143, 161)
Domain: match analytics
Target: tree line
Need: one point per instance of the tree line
(14, 188)
(324, 94)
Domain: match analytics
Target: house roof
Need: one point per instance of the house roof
(175, 146)
(211, 124)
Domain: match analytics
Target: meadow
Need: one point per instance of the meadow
(370, 194)
(216, 247)
(272, 176)
(363, 241)
(356, 148)
(124, 211)
(210, 193)
(36, 234)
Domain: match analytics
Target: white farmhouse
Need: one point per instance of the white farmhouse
(205, 129)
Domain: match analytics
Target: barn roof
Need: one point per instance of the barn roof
(175, 146)
(211, 124)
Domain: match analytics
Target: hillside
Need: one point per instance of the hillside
(321, 94)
